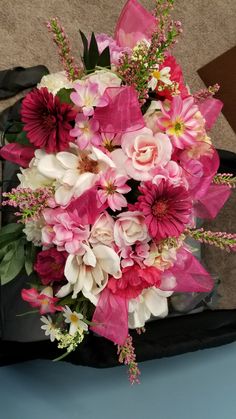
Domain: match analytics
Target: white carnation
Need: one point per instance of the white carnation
(33, 231)
(55, 82)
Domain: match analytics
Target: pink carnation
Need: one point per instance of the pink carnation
(134, 280)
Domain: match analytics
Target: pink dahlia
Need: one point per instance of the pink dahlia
(167, 209)
(50, 265)
(47, 120)
(180, 122)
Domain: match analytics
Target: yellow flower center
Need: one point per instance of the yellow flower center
(73, 318)
(156, 74)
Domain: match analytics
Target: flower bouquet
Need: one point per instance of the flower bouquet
(116, 165)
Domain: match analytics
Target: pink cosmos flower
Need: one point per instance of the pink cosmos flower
(111, 187)
(47, 121)
(50, 265)
(43, 300)
(86, 96)
(167, 209)
(86, 131)
(64, 230)
(116, 51)
(179, 121)
(134, 280)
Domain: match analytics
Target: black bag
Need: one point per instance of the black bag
(22, 339)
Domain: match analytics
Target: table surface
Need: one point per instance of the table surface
(198, 385)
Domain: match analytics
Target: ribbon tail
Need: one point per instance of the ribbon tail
(208, 206)
(111, 317)
(187, 275)
(210, 109)
(17, 153)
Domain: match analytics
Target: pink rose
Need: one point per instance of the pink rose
(102, 230)
(130, 228)
(145, 152)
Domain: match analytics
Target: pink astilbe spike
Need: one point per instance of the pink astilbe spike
(61, 40)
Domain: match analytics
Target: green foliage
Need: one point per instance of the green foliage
(13, 261)
(15, 134)
(91, 56)
(30, 254)
(15, 253)
(64, 95)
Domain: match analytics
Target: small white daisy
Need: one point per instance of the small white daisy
(75, 320)
(162, 75)
(49, 327)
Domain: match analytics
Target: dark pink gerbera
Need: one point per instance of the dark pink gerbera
(47, 120)
(167, 208)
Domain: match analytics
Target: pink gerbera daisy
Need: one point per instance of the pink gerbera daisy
(47, 120)
(167, 209)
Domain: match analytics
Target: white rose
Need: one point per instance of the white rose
(130, 228)
(55, 82)
(102, 230)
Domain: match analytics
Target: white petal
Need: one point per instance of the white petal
(71, 269)
(70, 177)
(99, 155)
(68, 160)
(152, 84)
(84, 182)
(155, 303)
(73, 328)
(89, 257)
(63, 195)
(50, 167)
(64, 291)
(108, 260)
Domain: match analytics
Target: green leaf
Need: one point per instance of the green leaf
(93, 53)
(85, 44)
(10, 232)
(64, 95)
(13, 261)
(104, 59)
(22, 138)
(30, 254)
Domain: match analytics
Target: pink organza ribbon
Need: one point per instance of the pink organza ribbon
(17, 153)
(111, 316)
(210, 108)
(86, 209)
(188, 273)
(199, 184)
(135, 24)
(122, 114)
(210, 204)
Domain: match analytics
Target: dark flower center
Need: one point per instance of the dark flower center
(88, 165)
(160, 208)
(49, 120)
